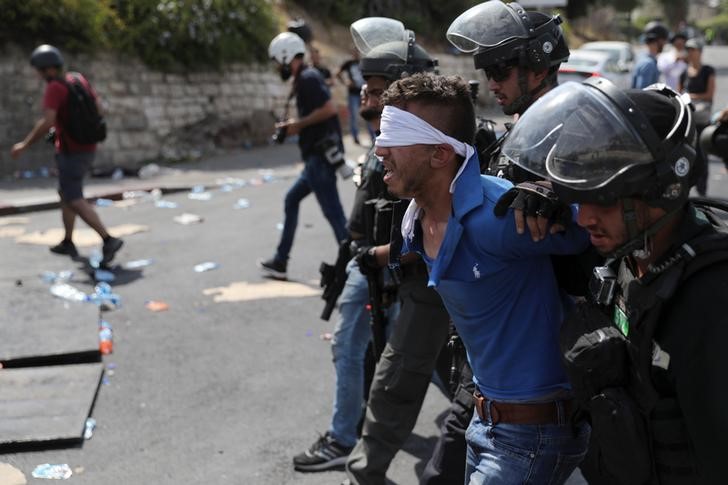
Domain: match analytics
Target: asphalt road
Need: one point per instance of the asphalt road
(221, 391)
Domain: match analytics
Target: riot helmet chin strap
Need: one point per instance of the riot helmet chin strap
(639, 243)
(526, 98)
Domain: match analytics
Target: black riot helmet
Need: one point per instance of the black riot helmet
(598, 145)
(499, 33)
(299, 27)
(388, 49)
(655, 30)
(46, 56)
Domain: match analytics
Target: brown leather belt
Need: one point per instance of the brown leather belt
(553, 412)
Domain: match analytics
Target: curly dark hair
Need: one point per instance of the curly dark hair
(449, 95)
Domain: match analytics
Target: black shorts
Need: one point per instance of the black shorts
(72, 168)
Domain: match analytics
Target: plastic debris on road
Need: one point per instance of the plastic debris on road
(197, 189)
(156, 306)
(54, 472)
(104, 297)
(106, 338)
(187, 218)
(134, 194)
(199, 195)
(95, 258)
(148, 171)
(206, 266)
(104, 202)
(117, 174)
(165, 204)
(68, 292)
(104, 275)
(326, 336)
(242, 204)
(231, 182)
(137, 263)
(60, 277)
(88, 430)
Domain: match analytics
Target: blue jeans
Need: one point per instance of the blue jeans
(515, 454)
(349, 346)
(352, 335)
(319, 177)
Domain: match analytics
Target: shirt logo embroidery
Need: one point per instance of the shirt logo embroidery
(476, 271)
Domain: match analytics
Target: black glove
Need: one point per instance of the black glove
(367, 260)
(535, 199)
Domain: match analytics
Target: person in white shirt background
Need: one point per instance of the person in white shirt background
(673, 62)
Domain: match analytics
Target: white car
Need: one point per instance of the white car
(584, 64)
(621, 52)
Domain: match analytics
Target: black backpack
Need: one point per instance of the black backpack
(85, 124)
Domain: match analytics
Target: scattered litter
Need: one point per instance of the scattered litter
(207, 266)
(88, 430)
(137, 263)
(95, 258)
(242, 204)
(111, 366)
(279, 226)
(199, 195)
(104, 275)
(166, 204)
(56, 472)
(61, 277)
(309, 333)
(117, 174)
(156, 306)
(197, 189)
(68, 292)
(106, 338)
(187, 218)
(255, 182)
(155, 193)
(227, 188)
(104, 202)
(232, 182)
(104, 297)
(134, 194)
(148, 171)
(326, 336)
(9, 475)
(106, 381)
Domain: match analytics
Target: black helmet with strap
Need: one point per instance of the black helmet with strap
(46, 56)
(388, 49)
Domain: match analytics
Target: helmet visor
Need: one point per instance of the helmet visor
(575, 136)
(486, 25)
(371, 32)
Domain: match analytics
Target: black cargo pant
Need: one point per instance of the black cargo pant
(401, 380)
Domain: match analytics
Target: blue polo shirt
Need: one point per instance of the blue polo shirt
(500, 290)
(645, 72)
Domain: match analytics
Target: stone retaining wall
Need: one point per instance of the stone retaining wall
(155, 116)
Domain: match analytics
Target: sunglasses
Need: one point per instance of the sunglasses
(498, 72)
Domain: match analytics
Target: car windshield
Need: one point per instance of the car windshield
(613, 53)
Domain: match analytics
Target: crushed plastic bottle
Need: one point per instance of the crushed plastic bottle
(166, 204)
(106, 338)
(117, 174)
(89, 427)
(53, 472)
(104, 202)
(61, 277)
(187, 218)
(242, 204)
(104, 297)
(68, 292)
(104, 275)
(199, 195)
(148, 171)
(95, 258)
(207, 266)
(197, 189)
(137, 263)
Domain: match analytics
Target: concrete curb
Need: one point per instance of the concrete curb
(7, 210)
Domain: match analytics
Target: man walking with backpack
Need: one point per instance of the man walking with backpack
(71, 106)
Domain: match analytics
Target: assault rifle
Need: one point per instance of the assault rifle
(333, 278)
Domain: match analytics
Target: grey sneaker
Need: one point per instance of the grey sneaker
(274, 269)
(324, 454)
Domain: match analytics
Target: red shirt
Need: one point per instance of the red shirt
(56, 98)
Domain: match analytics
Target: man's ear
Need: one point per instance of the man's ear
(442, 156)
(539, 76)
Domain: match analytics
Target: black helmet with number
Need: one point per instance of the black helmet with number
(46, 56)
(598, 144)
(388, 49)
(500, 33)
